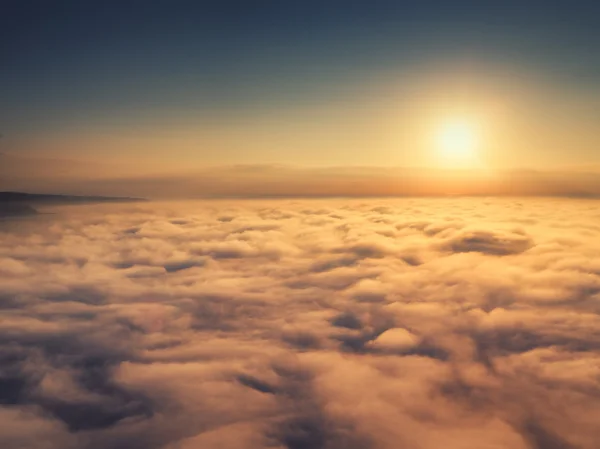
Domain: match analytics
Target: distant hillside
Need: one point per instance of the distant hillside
(20, 204)
(15, 209)
(40, 198)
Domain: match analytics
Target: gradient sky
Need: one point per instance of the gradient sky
(314, 83)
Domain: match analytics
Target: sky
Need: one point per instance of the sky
(174, 86)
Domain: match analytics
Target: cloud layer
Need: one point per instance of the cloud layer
(416, 323)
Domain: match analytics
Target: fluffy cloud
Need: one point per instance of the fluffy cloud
(414, 323)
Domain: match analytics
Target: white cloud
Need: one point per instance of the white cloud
(295, 324)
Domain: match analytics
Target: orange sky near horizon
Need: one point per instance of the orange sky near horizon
(523, 120)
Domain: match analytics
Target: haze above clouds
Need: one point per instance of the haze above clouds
(412, 323)
(152, 180)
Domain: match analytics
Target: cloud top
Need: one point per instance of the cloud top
(415, 323)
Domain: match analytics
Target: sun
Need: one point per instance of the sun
(457, 142)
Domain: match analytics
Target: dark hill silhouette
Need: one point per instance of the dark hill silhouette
(14, 209)
(42, 198)
(20, 204)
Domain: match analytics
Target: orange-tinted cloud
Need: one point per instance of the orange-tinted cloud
(414, 323)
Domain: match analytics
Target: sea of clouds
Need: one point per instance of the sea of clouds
(306, 324)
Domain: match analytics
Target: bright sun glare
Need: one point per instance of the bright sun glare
(457, 142)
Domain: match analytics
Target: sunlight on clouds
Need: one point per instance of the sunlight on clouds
(302, 323)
